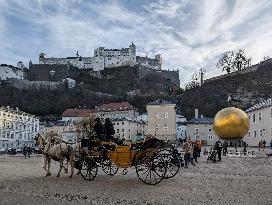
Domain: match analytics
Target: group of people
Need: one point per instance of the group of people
(27, 151)
(262, 144)
(192, 151)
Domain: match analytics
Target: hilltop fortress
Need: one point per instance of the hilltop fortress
(106, 58)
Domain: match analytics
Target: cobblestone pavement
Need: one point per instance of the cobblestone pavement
(235, 180)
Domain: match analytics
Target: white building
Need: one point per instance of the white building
(11, 72)
(116, 110)
(260, 116)
(201, 128)
(17, 128)
(128, 128)
(106, 58)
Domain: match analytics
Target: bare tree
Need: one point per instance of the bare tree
(232, 61)
(195, 82)
(85, 126)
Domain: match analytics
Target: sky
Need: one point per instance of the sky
(189, 34)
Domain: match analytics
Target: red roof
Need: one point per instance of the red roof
(111, 107)
(77, 112)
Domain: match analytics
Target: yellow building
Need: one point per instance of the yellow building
(161, 120)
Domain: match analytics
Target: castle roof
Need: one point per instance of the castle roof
(77, 112)
(260, 105)
(111, 107)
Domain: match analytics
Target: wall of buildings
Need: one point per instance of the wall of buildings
(201, 129)
(161, 120)
(128, 128)
(17, 128)
(10, 72)
(260, 117)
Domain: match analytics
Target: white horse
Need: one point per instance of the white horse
(58, 152)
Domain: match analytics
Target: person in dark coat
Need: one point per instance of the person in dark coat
(109, 129)
(225, 148)
(218, 148)
(195, 151)
(25, 151)
(99, 128)
(29, 152)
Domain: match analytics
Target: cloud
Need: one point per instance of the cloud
(188, 34)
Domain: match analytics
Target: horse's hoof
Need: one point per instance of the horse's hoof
(48, 174)
(58, 176)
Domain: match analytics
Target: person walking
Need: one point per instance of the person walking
(25, 151)
(225, 148)
(199, 145)
(28, 152)
(260, 145)
(264, 144)
(187, 148)
(195, 151)
(218, 148)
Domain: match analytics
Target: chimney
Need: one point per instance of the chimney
(196, 113)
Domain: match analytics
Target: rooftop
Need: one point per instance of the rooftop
(111, 107)
(260, 105)
(77, 112)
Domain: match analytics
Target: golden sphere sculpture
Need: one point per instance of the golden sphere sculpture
(231, 123)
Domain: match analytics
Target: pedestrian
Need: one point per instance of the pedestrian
(225, 148)
(271, 144)
(28, 152)
(218, 148)
(260, 145)
(195, 151)
(187, 148)
(25, 151)
(245, 148)
(264, 144)
(199, 145)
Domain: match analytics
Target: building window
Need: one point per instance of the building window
(210, 137)
(255, 133)
(261, 133)
(210, 129)
(166, 127)
(248, 134)
(260, 116)
(117, 130)
(196, 130)
(123, 130)
(157, 126)
(253, 118)
(117, 123)
(157, 115)
(123, 123)
(165, 115)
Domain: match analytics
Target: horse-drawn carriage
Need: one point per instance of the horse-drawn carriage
(153, 159)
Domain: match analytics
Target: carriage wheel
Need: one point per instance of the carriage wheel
(151, 169)
(89, 169)
(109, 167)
(171, 161)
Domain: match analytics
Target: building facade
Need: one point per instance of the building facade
(161, 120)
(17, 128)
(106, 58)
(201, 129)
(260, 116)
(128, 128)
(116, 110)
